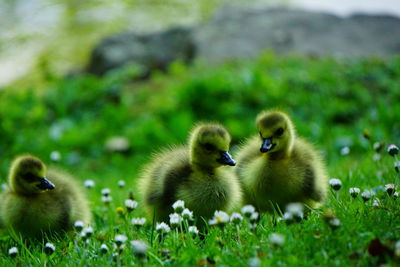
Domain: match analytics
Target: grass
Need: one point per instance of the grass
(332, 102)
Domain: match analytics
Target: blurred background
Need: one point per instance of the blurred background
(98, 86)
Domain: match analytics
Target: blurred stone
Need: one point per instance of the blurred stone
(151, 51)
(117, 144)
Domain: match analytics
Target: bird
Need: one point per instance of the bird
(196, 173)
(39, 201)
(276, 167)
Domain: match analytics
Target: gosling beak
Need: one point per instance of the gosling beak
(45, 184)
(267, 145)
(226, 159)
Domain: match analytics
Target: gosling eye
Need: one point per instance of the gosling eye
(29, 177)
(209, 147)
(279, 132)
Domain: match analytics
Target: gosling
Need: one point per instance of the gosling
(39, 202)
(277, 167)
(194, 174)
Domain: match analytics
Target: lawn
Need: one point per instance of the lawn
(343, 106)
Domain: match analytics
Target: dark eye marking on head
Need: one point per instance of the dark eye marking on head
(279, 132)
(208, 146)
(29, 177)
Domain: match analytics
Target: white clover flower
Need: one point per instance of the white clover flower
(376, 157)
(254, 217)
(138, 221)
(344, 151)
(254, 262)
(88, 183)
(397, 166)
(390, 189)
(49, 248)
(121, 183)
(366, 195)
(396, 195)
(120, 239)
(236, 218)
(4, 187)
(178, 206)
(193, 230)
(175, 219)
(79, 225)
(276, 239)
(378, 146)
(296, 210)
(119, 248)
(187, 214)
(139, 248)
(334, 223)
(335, 184)
(105, 191)
(354, 191)
(248, 210)
(103, 248)
(220, 218)
(375, 203)
(55, 156)
(393, 150)
(106, 199)
(87, 232)
(130, 205)
(162, 228)
(13, 252)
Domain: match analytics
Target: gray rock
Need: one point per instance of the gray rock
(235, 33)
(150, 51)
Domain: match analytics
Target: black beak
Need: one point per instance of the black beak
(267, 145)
(226, 159)
(45, 184)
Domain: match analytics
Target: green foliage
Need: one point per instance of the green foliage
(331, 103)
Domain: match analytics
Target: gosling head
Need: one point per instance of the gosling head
(209, 146)
(276, 132)
(28, 176)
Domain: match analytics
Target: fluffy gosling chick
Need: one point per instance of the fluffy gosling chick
(277, 167)
(41, 202)
(193, 174)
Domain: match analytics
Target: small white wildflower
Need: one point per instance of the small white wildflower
(344, 151)
(390, 189)
(121, 183)
(178, 206)
(288, 217)
(193, 230)
(354, 192)
(13, 252)
(396, 195)
(130, 205)
(335, 183)
(4, 187)
(397, 166)
(106, 199)
(120, 239)
(220, 218)
(276, 239)
(254, 217)
(105, 191)
(88, 183)
(175, 219)
(103, 248)
(393, 150)
(49, 248)
(254, 262)
(378, 146)
(162, 228)
(296, 210)
(187, 214)
(236, 218)
(87, 232)
(79, 225)
(375, 203)
(248, 210)
(138, 221)
(139, 248)
(376, 157)
(119, 248)
(366, 195)
(334, 223)
(55, 156)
